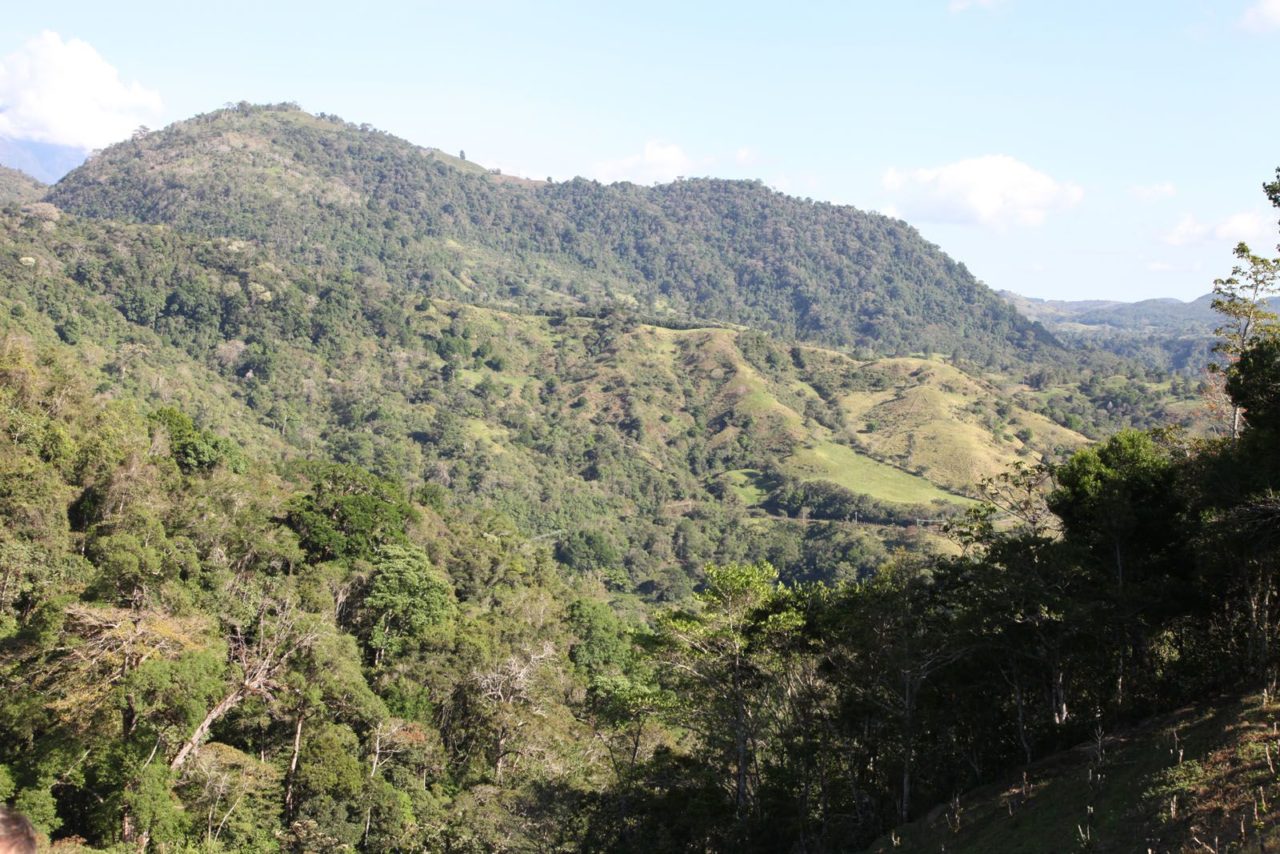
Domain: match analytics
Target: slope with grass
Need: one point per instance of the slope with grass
(1201, 779)
(932, 419)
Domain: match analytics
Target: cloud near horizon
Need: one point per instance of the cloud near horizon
(1262, 15)
(657, 163)
(1247, 226)
(64, 93)
(996, 191)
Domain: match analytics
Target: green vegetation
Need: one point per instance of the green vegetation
(859, 474)
(354, 499)
(1201, 774)
(327, 194)
(565, 424)
(17, 186)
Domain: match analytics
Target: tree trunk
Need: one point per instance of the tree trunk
(225, 705)
(740, 748)
(293, 766)
(1022, 723)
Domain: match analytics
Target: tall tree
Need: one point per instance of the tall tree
(1242, 300)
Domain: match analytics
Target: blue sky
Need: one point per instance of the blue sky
(1078, 150)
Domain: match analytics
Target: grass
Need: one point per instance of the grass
(952, 427)
(859, 473)
(747, 485)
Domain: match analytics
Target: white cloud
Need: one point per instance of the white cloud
(995, 191)
(1160, 267)
(965, 5)
(745, 156)
(65, 93)
(1262, 15)
(1189, 230)
(659, 161)
(1154, 192)
(1247, 226)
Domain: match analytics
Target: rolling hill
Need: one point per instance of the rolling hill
(645, 434)
(358, 498)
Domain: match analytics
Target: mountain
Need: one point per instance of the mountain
(1165, 334)
(1167, 316)
(18, 186)
(330, 195)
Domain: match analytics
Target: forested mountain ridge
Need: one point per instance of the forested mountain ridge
(331, 195)
(1166, 315)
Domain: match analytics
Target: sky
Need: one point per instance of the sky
(1082, 150)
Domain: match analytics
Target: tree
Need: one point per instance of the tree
(348, 513)
(259, 654)
(718, 658)
(407, 600)
(1241, 299)
(1253, 382)
(894, 638)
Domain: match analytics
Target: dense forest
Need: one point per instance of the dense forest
(310, 544)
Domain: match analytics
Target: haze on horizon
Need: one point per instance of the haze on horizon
(1090, 152)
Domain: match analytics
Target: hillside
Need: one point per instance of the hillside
(18, 186)
(645, 435)
(1202, 778)
(354, 498)
(329, 195)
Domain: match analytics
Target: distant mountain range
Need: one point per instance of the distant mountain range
(1170, 316)
(1165, 334)
(44, 161)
